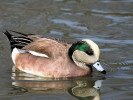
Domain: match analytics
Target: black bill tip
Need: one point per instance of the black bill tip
(103, 72)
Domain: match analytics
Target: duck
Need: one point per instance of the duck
(48, 57)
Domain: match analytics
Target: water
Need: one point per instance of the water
(107, 22)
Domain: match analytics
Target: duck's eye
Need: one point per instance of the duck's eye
(89, 52)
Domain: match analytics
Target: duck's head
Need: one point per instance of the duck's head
(85, 54)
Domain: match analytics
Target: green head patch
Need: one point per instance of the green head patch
(82, 46)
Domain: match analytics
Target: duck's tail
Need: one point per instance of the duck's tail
(8, 35)
(17, 41)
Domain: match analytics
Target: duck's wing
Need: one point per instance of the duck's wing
(36, 45)
(46, 46)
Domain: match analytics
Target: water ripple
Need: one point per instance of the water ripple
(105, 12)
(71, 24)
(116, 1)
(120, 42)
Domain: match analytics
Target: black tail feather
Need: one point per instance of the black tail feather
(19, 33)
(8, 35)
(17, 41)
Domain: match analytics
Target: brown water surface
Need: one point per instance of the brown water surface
(107, 22)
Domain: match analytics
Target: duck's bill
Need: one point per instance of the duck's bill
(98, 66)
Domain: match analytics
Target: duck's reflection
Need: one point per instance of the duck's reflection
(81, 88)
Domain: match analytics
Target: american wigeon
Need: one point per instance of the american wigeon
(53, 58)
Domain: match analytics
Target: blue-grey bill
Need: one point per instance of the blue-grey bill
(98, 66)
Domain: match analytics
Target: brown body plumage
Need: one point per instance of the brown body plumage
(49, 58)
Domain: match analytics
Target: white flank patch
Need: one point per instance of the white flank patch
(38, 54)
(15, 52)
